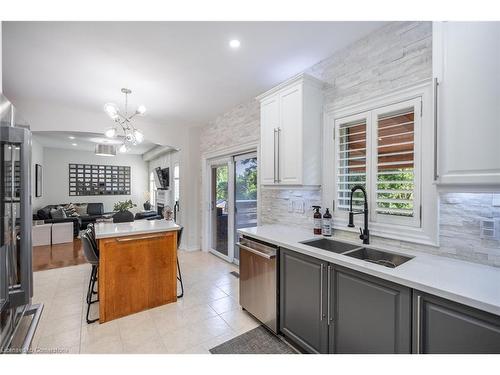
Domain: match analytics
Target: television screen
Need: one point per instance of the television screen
(162, 178)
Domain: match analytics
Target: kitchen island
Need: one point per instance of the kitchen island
(137, 266)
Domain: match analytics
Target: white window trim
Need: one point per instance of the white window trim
(428, 232)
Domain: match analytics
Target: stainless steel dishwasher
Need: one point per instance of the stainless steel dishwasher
(258, 280)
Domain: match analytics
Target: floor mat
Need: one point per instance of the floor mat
(256, 341)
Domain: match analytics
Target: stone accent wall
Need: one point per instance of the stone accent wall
(238, 126)
(393, 56)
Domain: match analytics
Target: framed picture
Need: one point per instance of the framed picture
(38, 180)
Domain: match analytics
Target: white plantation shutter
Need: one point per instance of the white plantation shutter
(379, 150)
(395, 163)
(351, 160)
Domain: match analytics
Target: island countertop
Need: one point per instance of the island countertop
(107, 230)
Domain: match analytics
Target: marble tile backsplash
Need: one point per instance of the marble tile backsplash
(459, 224)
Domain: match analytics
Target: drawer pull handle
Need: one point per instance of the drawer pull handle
(136, 238)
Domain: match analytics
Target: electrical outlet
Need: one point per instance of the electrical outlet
(489, 229)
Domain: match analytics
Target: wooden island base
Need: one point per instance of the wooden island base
(136, 273)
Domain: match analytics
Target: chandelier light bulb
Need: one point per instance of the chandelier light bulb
(110, 133)
(112, 110)
(141, 110)
(139, 137)
(123, 149)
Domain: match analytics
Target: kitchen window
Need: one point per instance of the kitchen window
(379, 145)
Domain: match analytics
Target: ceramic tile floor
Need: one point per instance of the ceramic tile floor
(207, 315)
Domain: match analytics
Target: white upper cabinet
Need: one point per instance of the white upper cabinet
(466, 66)
(290, 152)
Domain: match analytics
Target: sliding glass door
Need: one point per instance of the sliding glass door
(245, 195)
(233, 202)
(219, 207)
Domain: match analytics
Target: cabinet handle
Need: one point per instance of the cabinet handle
(321, 293)
(256, 252)
(279, 140)
(138, 238)
(329, 293)
(274, 155)
(436, 173)
(419, 303)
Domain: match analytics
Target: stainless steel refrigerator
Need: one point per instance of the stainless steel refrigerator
(18, 317)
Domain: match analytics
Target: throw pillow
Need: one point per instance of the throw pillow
(57, 213)
(81, 209)
(70, 209)
(42, 214)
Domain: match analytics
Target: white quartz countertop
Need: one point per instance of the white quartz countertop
(471, 284)
(106, 230)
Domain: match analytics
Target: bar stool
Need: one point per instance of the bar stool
(91, 227)
(179, 277)
(90, 255)
(91, 233)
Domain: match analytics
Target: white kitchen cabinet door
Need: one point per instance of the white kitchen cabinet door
(269, 123)
(291, 116)
(467, 67)
(290, 136)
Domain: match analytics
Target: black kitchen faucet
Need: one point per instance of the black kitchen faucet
(365, 233)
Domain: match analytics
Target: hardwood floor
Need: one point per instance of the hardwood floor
(57, 256)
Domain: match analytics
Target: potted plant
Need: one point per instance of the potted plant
(147, 204)
(123, 215)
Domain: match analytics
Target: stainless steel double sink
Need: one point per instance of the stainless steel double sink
(383, 258)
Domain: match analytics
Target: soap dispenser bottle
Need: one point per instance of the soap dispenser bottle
(317, 220)
(327, 224)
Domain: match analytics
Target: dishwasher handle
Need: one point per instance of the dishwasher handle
(256, 252)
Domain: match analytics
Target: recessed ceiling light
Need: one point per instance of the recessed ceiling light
(74, 144)
(71, 137)
(234, 43)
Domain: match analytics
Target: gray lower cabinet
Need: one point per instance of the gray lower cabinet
(369, 315)
(303, 297)
(445, 327)
(332, 309)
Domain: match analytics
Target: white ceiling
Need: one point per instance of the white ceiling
(183, 72)
(84, 141)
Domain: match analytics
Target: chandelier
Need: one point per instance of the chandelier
(123, 123)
